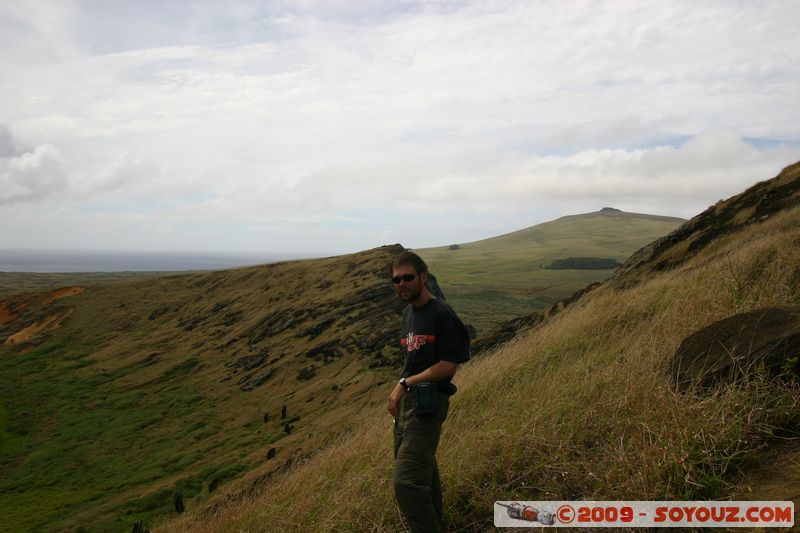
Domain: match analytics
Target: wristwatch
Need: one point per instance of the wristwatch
(404, 384)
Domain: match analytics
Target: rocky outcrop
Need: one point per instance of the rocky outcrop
(511, 328)
(505, 332)
(756, 204)
(736, 348)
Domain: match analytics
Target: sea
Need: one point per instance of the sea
(57, 261)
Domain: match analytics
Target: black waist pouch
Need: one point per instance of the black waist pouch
(426, 398)
(446, 388)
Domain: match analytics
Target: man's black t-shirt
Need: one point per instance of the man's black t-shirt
(432, 333)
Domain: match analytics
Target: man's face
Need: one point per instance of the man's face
(408, 291)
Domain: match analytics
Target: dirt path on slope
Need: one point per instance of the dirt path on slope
(775, 478)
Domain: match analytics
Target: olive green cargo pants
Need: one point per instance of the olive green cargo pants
(416, 477)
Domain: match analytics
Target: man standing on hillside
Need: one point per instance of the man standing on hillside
(434, 343)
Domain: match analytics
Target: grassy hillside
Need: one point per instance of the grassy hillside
(493, 280)
(116, 396)
(582, 406)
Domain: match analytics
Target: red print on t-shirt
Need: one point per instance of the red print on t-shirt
(413, 342)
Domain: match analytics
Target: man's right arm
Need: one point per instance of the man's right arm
(394, 399)
(441, 371)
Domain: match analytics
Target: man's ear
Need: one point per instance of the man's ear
(424, 278)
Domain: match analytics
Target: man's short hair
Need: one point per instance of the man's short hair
(408, 258)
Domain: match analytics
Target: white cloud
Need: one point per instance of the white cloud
(315, 115)
(31, 176)
(683, 179)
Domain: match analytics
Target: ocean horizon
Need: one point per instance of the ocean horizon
(66, 261)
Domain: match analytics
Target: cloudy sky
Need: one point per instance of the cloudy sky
(336, 126)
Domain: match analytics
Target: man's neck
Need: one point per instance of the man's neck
(424, 297)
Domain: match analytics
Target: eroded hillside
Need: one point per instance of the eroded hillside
(116, 396)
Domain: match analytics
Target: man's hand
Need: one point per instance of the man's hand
(394, 399)
(439, 372)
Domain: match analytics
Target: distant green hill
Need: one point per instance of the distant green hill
(493, 280)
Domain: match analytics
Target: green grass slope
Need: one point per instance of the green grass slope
(493, 280)
(581, 406)
(114, 398)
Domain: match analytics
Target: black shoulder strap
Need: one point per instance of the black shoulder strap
(433, 287)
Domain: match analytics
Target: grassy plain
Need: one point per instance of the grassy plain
(497, 279)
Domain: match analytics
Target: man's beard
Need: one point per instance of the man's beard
(409, 295)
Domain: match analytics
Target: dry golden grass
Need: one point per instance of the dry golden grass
(580, 407)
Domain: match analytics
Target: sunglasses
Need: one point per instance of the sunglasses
(405, 277)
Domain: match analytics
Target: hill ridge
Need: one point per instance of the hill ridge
(578, 216)
(754, 205)
(612, 211)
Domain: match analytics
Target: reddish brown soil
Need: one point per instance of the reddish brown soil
(17, 307)
(66, 292)
(49, 323)
(776, 478)
(6, 314)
